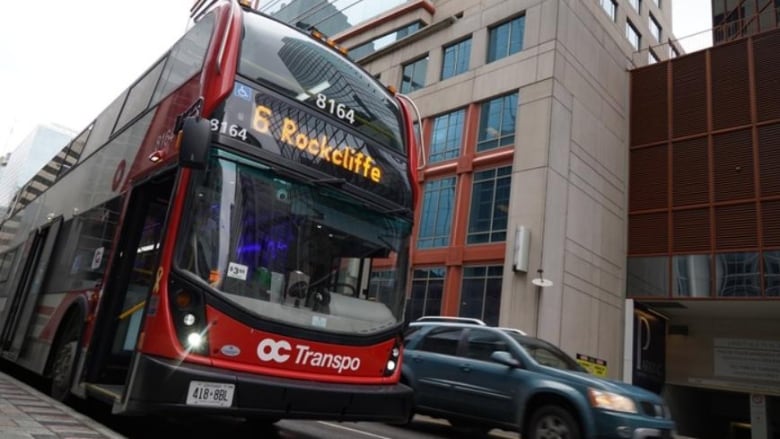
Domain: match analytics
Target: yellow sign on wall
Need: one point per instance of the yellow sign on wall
(595, 366)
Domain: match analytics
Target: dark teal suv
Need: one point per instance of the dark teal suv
(480, 377)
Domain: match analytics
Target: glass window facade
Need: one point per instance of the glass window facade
(489, 206)
(456, 58)
(413, 77)
(652, 58)
(480, 295)
(772, 273)
(497, 122)
(610, 7)
(505, 39)
(655, 28)
(447, 136)
(648, 276)
(737, 275)
(438, 205)
(385, 40)
(427, 292)
(691, 275)
(633, 35)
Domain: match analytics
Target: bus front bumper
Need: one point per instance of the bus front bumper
(162, 385)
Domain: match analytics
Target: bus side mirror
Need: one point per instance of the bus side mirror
(195, 141)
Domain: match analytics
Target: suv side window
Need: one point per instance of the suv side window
(481, 343)
(441, 341)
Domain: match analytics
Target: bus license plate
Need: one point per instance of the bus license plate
(204, 393)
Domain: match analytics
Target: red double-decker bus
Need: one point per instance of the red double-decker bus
(229, 236)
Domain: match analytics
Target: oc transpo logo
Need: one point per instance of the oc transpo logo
(271, 350)
(280, 351)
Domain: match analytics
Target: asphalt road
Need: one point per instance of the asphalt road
(151, 427)
(422, 427)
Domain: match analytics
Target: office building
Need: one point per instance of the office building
(548, 199)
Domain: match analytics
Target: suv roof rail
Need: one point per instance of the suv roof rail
(470, 320)
(515, 330)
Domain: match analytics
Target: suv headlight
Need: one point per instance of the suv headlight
(611, 401)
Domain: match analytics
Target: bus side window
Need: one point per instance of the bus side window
(83, 248)
(185, 58)
(5, 265)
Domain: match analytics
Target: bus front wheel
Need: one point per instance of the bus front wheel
(65, 353)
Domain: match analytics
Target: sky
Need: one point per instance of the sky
(63, 62)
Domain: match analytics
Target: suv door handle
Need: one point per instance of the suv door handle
(465, 368)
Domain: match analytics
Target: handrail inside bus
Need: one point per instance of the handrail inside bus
(130, 311)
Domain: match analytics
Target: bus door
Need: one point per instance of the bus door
(131, 278)
(26, 286)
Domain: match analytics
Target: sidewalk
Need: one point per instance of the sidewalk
(26, 413)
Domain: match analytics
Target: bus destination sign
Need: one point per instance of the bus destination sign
(299, 134)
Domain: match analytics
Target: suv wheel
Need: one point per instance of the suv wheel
(552, 422)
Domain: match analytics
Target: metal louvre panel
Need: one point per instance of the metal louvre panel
(736, 226)
(689, 99)
(649, 112)
(648, 233)
(690, 172)
(648, 187)
(769, 159)
(730, 92)
(770, 212)
(767, 73)
(733, 165)
(691, 230)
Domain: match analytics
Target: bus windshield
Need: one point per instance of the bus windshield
(296, 253)
(295, 65)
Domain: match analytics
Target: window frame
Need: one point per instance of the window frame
(655, 27)
(427, 280)
(486, 144)
(610, 7)
(414, 63)
(632, 31)
(492, 54)
(501, 175)
(457, 64)
(446, 151)
(489, 274)
(436, 237)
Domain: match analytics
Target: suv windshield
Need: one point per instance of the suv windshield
(294, 64)
(291, 252)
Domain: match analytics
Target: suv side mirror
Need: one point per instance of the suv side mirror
(195, 141)
(505, 358)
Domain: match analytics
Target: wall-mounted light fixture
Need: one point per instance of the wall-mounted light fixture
(522, 240)
(540, 281)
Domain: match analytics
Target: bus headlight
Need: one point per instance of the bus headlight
(194, 340)
(393, 358)
(188, 309)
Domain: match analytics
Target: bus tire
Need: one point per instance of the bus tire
(65, 353)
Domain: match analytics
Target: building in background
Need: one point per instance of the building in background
(533, 126)
(704, 225)
(734, 19)
(328, 16)
(525, 125)
(43, 142)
